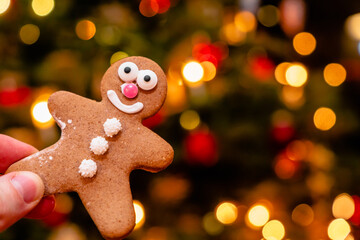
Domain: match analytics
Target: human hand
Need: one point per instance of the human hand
(21, 193)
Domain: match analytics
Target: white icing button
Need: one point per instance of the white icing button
(99, 145)
(112, 127)
(87, 168)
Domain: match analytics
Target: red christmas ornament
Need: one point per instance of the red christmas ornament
(13, 97)
(355, 219)
(262, 68)
(201, 148)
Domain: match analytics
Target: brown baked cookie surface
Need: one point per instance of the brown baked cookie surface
(102, 142)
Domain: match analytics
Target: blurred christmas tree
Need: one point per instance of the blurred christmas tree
(262, 110)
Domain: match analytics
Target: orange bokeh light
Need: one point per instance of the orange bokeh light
(285, 168)
(85, 29)
(297, 150)
(150, 8)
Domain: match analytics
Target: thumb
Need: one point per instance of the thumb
(19, 193)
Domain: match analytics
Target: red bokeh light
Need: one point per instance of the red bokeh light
(162, 6)
(262, 68)
(147, 8)
(153, 121)
(201, 148)
(283, 132)
(286, 168)
(209, 52)
(150, 8)
(13, 97)
(355, 219)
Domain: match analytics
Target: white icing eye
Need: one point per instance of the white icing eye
(128, 71)
(146, 79)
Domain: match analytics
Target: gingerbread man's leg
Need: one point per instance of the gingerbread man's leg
(108, 201)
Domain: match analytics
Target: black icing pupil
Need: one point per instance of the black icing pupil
(147, 78)
(127, 69)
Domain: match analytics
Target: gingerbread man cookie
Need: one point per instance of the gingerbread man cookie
(102, 142)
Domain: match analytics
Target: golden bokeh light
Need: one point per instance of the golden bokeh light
(42, 7)
(29, 33)
(338, 229)
(85, 29)
(4, 5)
(297, 150)
(303, 215)
(176, 94)
(293, 97)
(280, 72)
(268, 15)
(334, 74)
(296, 75)
(273, 230)
(320, 183)
(226, 213)
(193, 72)
(189, 120)
(139, 214)
(304, 43)
(245, 21)
(324, 118)
(209, 70)
(169, 189)
(153, 233)
(343, 206)
(282, 116)
(232, 35)
(40, 114)
(118, 56)
(258, 215)
(211, 225)
(64, 203)
(350, 237)
(352, 26)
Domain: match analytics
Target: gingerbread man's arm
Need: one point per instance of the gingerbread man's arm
(153, 153)
(65, 106)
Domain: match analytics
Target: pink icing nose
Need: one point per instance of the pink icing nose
(130, 90)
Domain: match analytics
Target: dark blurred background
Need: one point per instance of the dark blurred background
(262, 111)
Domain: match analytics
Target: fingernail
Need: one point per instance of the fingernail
(26, 184)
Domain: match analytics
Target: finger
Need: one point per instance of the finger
(12, 150)
(20, 193)
(43, 209)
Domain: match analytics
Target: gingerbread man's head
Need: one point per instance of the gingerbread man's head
(135, 86)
